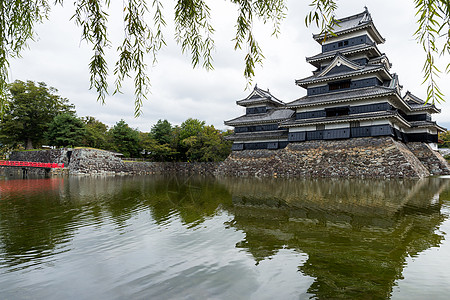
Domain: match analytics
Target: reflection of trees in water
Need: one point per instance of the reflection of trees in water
(193, 199)
(356, 233)
(32, 219)
(38, 223)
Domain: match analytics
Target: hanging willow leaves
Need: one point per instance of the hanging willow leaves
(194, 33)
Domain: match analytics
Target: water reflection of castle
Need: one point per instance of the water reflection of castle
(356, 233)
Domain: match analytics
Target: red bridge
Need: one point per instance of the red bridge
(8, 163)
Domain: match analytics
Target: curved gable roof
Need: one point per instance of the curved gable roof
(350, 24)
(338, 61)
(260, 96)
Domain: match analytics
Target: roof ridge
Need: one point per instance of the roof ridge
(361, 14)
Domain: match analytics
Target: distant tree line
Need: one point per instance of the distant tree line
(36, 116)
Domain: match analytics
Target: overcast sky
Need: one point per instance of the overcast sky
(60, 58)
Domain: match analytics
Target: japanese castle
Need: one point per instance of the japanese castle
(351, 94)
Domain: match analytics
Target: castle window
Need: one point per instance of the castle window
(339, 85)
(354, 124)
(340, 44)
(320, 127)
(337, 111)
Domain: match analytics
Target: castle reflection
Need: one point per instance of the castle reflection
(356, 233)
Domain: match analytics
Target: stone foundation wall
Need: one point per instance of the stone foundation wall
(43, 156)
(432, 160)
(95, 162)
(361, 157)
(85, 161)
(381, 157)
(99, 162)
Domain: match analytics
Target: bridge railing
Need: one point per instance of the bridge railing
(10, 163)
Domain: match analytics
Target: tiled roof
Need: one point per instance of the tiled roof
(413, 98)
(342, 96)
(345, 51)
(353, 23)
(257, 135)
(274, 115)
(345, 74)
(346, 118)
(259, 96)
(419, 107)
(421, 124)
(417, 104)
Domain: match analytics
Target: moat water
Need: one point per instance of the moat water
(193, 238)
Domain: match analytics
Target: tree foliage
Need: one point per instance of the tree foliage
(125, 139)
(193, 32)
(434, 26)
(96, 135)
(207, 145)
(162, 132)
(66, 130)
(36, 115)
(191, 141)
(445, 137)
(30, 109)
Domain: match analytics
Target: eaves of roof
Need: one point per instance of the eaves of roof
(276, 134)
(273, 116)
(424, 107)
(376, 34)
(427, 124)
(345, 51)
(244, 102)
(343, 96)
(367, 70)
(347, 118)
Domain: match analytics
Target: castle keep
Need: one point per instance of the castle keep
(352, 101)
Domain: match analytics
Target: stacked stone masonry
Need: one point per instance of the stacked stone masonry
(85, 161)
(381, 157)
(359, 157)
(431, 159)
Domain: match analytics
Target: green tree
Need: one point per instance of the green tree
(96, 133)
(66, 130)
(156, 150)
(445, 137)
(29, 111)
(125, 139)
(162, 132)
(163, 145)
(207, 145)
(190, 127)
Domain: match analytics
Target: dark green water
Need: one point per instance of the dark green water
(191, 238)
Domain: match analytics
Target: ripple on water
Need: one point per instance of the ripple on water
(132, 241)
